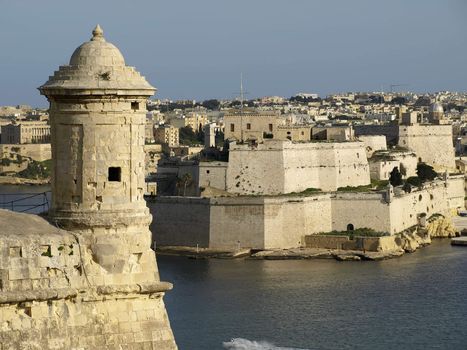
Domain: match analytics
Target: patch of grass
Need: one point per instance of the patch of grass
(359, 232)
(307, 192)
(379, 184)
(363, 188)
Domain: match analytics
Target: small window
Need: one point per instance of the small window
(270, 127)
(232, 127)
(288, 132)
(207, 171)
(303, 133)
(115, 174)
(248, 126)
(135, 106)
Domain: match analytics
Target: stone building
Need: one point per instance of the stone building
(251, 126)
(90, 281)
(254, 126)
(278, 167)
(195, 120)
(167, 135)
(26, 132)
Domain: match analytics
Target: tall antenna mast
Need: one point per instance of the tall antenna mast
(241, 93)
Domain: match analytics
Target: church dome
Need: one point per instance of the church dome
(436, 108)
(97, 67)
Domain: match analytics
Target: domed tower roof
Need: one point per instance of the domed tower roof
(96, 67)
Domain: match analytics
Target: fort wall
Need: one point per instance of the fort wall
(432, 143)
(276, 167)
(283, 221)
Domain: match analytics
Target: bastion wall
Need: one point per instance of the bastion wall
(55, 295)
(276, 167)
(283, 221)
(432, 144)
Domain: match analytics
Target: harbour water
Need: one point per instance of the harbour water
(414, 302)
(31, 199)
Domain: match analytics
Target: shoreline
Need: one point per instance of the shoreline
(286, 254)
(12, 180)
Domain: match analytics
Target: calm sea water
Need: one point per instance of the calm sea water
(25, 198)
(418, 301)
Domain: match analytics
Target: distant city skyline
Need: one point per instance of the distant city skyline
(197, 50)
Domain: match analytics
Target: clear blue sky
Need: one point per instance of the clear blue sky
(197, 48)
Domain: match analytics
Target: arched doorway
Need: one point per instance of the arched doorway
(350, 227)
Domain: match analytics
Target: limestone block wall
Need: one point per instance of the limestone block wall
(254, 170)
(283, 221)
(230, 222)
(180, 221)
(432, 143)
(276, 167)
(381, 169)
(360, 210)
(373, 143)
(89, 323)
(288, 220)
(85, 133)
(390, 131)
(213, 174)
(237, 223)
(56, 294)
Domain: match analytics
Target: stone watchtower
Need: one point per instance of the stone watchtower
(97, 116)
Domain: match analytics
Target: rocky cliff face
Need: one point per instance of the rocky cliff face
(411, 240)
(441, 227)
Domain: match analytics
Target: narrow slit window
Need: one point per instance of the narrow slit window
(115, 174)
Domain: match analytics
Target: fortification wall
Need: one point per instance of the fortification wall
(256, 169)
(283, 221)
(360, 210)
(213, 174)
(276, 167)
(435, 198)
(390, 131)
(432, 144)
(326, 166)
(180, 221)
(54, 294)
(288, 220)
(237, 222)
(373, 143)
(232, 222)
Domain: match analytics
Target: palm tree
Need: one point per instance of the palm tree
(185, 180)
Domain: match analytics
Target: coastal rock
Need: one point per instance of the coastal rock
(347, 256)
(383, 255)
(412, 240)
(441, 227)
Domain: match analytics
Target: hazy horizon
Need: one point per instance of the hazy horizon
(196, 50)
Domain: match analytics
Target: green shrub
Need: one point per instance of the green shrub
(37, 170)
(425, 172)
(414, 181)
